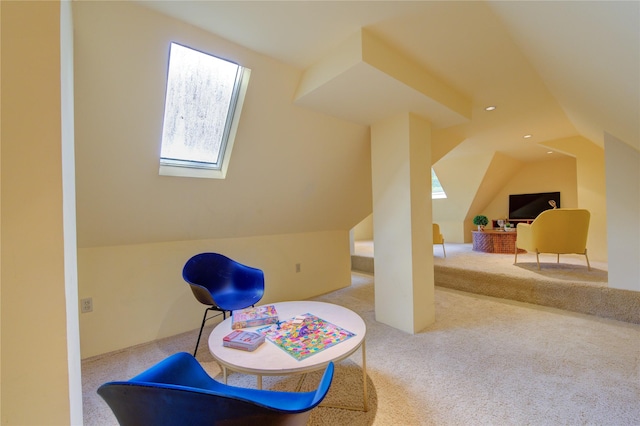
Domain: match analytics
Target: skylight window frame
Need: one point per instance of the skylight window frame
(202, 169)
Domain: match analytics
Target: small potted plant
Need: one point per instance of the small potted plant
(481, 221)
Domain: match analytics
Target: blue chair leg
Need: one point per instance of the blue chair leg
(204, 319)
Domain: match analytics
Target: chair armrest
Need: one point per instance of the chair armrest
(524, 238)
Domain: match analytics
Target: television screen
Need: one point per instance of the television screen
(529, 206)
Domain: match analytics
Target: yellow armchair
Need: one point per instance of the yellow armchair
(438, 238)
(559, 231)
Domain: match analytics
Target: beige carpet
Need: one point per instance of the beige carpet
(567, 285)
(485, 361)
(571, 267)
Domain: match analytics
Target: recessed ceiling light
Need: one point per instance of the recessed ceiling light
(549, 152)
(490, 108)
(527, 136)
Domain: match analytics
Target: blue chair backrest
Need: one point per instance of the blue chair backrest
(223, 277)
(177, 391)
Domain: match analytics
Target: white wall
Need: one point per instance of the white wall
(69, 212)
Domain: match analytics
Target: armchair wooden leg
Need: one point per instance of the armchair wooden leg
(558, 261)
(443, 250)
(587, 257)
(516, 259)
(538, 258)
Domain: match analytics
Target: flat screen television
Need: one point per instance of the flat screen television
(529, 206)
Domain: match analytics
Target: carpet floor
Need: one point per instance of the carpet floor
(567, 284)
(485, 361)
(571, 267)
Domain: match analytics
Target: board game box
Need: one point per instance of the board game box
(254, 316)
(244, 340)
(305, 335)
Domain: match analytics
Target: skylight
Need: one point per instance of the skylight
(437, 191)
(203, 102)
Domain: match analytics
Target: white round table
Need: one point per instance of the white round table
(270, 360)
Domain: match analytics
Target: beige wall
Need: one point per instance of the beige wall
(139, 288)
(298, 181)
(499, 173)
(112, 100)
(555, 174)
(461, 179)
(364, 230)
(623, 211)
(404, 290)
(481, 185)
(292, 170)
(495, 178)
(35, 373)
(592, 192)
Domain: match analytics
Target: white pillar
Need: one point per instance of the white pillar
(40, 377)
(401, 182)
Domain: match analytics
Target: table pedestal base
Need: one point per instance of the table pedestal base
(495, 242)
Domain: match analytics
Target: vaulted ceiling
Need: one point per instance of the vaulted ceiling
(551, 69)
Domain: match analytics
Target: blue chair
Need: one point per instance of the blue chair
(222, 284)
(178, 391)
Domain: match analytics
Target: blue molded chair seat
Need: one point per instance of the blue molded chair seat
(222, 284)
(178, 391)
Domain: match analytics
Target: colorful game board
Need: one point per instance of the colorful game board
(305, 335)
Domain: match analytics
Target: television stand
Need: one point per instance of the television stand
(514, 221)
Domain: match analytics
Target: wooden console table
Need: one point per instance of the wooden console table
(493, 241)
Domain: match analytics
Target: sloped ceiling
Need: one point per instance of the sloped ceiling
(588, 54)
(552, 69)
(293, 170)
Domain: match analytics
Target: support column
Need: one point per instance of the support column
(623, 210)
(401, 177)
(40, 356)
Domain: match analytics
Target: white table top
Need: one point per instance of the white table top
(269, 359)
